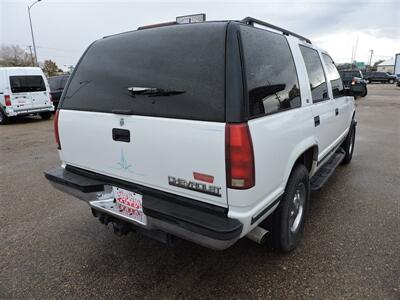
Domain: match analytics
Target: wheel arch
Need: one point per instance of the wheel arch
(306, 154)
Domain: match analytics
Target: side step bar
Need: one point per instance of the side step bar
(323, 174)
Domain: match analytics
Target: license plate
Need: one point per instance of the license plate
(130, 205)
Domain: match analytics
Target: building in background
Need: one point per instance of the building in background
(386, 66)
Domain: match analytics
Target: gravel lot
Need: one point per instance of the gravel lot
(52, 247)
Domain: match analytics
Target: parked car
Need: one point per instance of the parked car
(192, 132)
(24, 91)
(382, 77)
(57, 84)
(355, 79)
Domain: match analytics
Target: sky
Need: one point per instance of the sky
(63, 29)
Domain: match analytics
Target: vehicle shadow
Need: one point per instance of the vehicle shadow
(25, 120)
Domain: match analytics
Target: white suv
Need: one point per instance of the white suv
(208, 131)
(24, 91)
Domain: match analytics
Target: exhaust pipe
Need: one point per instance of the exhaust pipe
(258, 235)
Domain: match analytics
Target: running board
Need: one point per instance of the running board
(323, 174)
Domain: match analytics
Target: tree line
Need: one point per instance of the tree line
(15, 56)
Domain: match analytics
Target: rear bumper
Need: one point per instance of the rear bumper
(23, 112)
(204, 224)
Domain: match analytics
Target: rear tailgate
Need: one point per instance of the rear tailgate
(162, 153)
(155, 113)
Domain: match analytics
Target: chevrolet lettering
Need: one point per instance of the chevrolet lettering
(195, 186)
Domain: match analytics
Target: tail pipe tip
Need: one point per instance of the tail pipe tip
(258, 235)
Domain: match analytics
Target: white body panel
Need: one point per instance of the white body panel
(159, 147)
(279, 139)
(26, 102)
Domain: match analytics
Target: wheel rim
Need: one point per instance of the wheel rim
(297, 208)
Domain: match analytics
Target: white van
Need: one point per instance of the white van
(24, 91)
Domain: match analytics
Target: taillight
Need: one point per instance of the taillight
(7, 100)
(56, 135)
(240, 173)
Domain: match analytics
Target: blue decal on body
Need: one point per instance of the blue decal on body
(123, 163)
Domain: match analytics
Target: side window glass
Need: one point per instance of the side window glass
(270, 72)
(54, 83)
(334, 77)
(64, 82)
(319, 88)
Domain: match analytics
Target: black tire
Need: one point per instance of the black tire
(365, 92)
(3, 118)
(348, 145)
(289, 218)
(391, 81)
(46, 115)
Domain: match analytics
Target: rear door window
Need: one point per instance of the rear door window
(174, 71)
(334, 77)
(316, 76)
(272, 81)
(24, 84)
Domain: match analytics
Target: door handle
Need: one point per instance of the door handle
(121, 135)
(336, 111)
(316, 121)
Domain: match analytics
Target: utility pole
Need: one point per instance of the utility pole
(370, 59)
(30, 50)
(355, 49)
(30, 22)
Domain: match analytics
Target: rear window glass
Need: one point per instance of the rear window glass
(54, 83)
(271, 74)
(174, 71)
(58, 82)
(351, 74)
(24, 84)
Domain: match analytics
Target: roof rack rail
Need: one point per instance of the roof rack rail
(252, 21)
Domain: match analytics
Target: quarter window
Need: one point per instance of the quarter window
(319, 88)
(334, 77)
(272, 82)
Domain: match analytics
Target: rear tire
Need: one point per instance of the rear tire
(46, 115)
(3, 118)
(391, 81)
(289, 218)
(365, 92)
(348, 145)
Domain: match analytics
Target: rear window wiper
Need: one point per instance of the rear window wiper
(152, 92)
